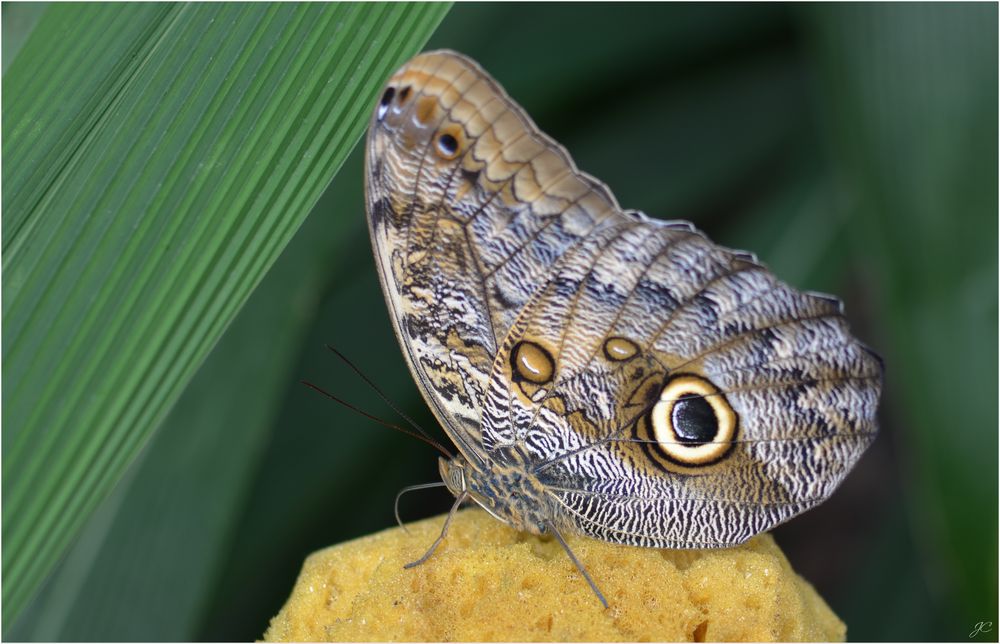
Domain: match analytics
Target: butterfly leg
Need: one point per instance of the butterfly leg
(444, 531)
(411, 488)
(579, 566)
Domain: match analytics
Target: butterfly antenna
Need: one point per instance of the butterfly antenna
(381, 395)
(422, 436)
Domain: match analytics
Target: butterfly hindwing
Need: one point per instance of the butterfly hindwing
(628, 315)
(643, 384)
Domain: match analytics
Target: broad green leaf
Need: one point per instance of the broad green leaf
(147, 563)
(156, 160)
(18, 19)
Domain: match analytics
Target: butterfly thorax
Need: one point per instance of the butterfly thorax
(508, 493)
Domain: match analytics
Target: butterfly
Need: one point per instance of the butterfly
(601, 372)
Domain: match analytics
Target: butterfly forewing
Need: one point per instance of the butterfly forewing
(469, 205)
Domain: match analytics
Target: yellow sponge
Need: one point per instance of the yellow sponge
(487, 582)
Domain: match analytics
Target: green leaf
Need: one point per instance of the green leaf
(19, 18)
(156, 160)
(150, 557)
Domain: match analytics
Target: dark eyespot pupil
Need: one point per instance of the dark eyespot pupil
(694, 420)
(448, 144)
(387, 96)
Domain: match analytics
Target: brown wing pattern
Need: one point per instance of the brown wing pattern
(659, 389)
(803, 391)
(469, 207)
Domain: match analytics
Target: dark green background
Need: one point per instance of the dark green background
(853, 147)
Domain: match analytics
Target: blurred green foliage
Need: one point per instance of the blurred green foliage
(852, 146)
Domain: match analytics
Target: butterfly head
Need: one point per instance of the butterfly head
(453, 474)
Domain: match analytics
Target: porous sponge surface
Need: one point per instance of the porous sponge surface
(488, 582)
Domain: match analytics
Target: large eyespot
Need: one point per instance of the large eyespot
(691, 424)
(531, 362)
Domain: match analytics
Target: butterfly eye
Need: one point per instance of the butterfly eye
(692, 423)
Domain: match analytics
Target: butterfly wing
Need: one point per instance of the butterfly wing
(687, 399)
(469, 207)
(662, 390)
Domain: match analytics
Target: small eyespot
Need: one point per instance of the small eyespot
(620, 349)
(531, 362)
(404, 94)
(447, 146)
(383, 105)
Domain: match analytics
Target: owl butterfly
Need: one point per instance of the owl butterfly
(600, 372)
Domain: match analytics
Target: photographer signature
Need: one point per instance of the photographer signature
(981, 627)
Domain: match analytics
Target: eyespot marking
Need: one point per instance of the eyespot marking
(447, 146)
(620, 349)
(449, 141)
(383, 104)
(691, 424)
(531, 362)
